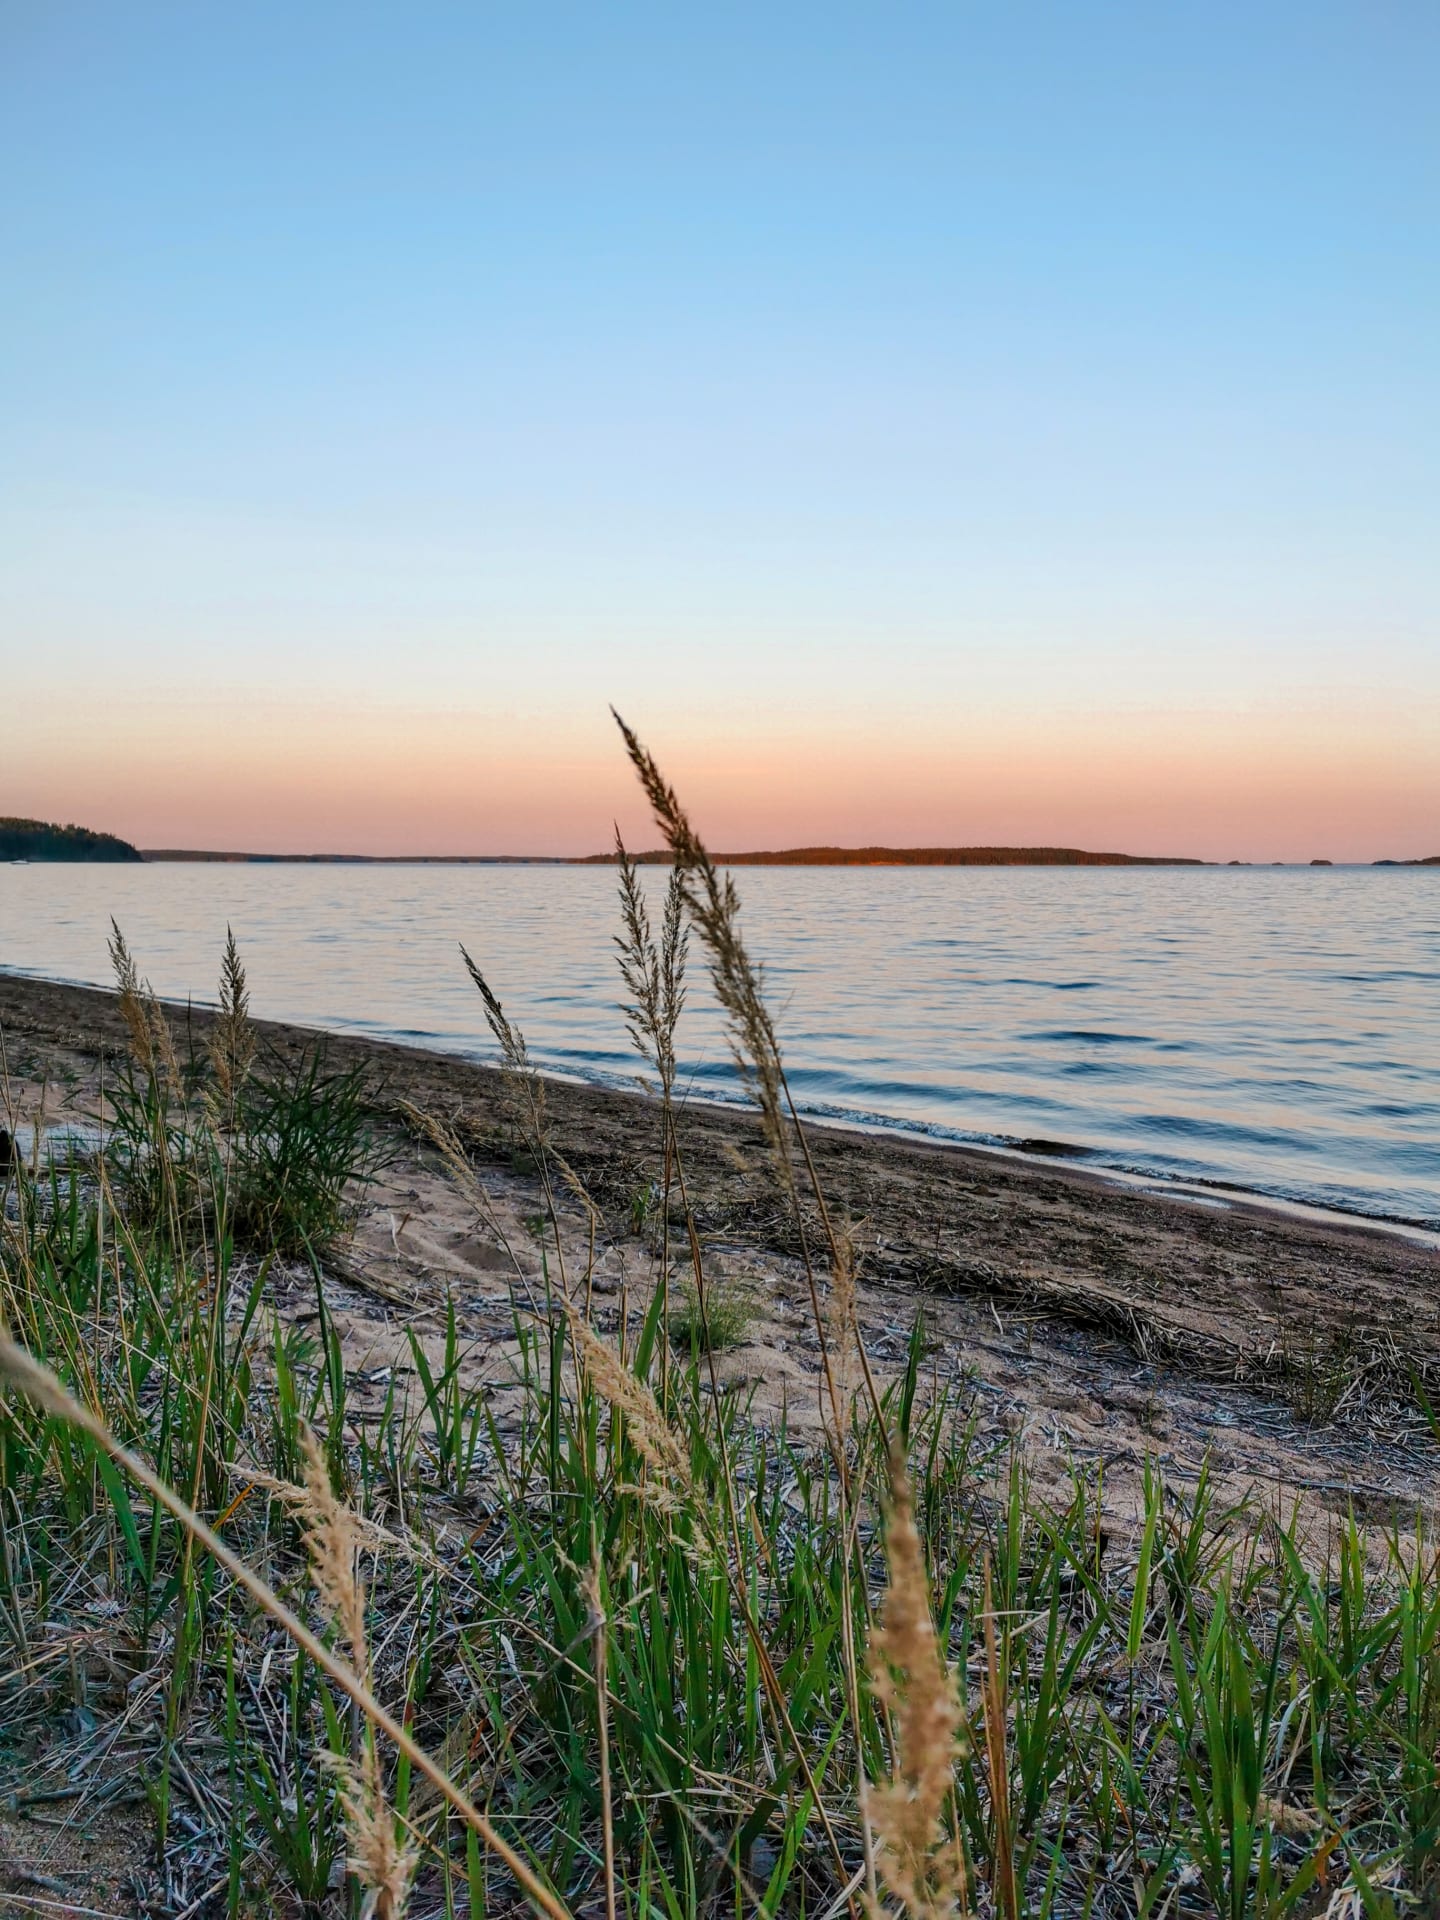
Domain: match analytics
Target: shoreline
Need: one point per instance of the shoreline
(1108, 1321)
(1095, 1163)
(615, 1125)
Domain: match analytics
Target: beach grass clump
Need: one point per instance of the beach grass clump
(273, 1148)
(723, 1319)
(301, 1152)
(624, 1647)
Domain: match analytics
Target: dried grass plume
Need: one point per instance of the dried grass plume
(381, 1865)
(651, 1434)
(920, 1865)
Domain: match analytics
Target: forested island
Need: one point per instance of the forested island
(928, 857)
(44, 840)
(791, 857)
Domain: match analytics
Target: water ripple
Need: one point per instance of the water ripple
(1272, 1029)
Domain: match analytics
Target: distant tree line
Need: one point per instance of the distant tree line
(43, 840)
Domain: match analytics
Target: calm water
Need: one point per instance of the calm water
(1278, 1029)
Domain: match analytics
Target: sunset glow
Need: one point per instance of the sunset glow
(1058, 464)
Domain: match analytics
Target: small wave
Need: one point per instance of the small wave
(1083, 1036)
(1051, 986)
(1387, 976)
(1228, 1132)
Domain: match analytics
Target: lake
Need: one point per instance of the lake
(1275, 1029)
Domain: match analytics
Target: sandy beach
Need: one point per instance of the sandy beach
(1102, 1321)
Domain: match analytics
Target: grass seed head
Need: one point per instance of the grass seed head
(1286, 1817)
(921, 1867)
(232, 1039)
(332, 1542)
(523, 1084)
(446, 1143)
(653, 974)
(653, 1437)
(151, 1043)
(714, 908)
(18, 1370)
(383, 1868)
(132, 999)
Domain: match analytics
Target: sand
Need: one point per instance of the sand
(1089, 1323)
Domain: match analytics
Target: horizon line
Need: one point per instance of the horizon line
(835, 856)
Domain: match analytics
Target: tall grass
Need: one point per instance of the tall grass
(634, 1651)
(273, 1150)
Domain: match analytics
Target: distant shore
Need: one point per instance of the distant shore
(785, 857)
(24, 842)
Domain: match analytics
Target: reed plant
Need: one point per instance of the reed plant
(630, 1649)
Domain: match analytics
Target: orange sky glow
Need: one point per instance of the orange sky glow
(1261, 785)
(928, 426)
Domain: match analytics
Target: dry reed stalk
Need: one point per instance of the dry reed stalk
(579, 1192)
(992, 1693)
(332, 1540)
(674, 956)
(594, 1221)
(153, 1049)
(639, 960)
(132, 1000)
(655, 977)
(526, 1088)
(910, 1677)
(527, 1096)
(674, 952)
(844, 1321)
(590, 1586)
(370, 1536)
(37, 1383)
(383, 1868)
(714, 907)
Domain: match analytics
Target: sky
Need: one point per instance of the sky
(929, 425)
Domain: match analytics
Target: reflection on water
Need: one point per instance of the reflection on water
(1274, 1028)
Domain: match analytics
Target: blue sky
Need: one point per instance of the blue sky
(921, 392)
